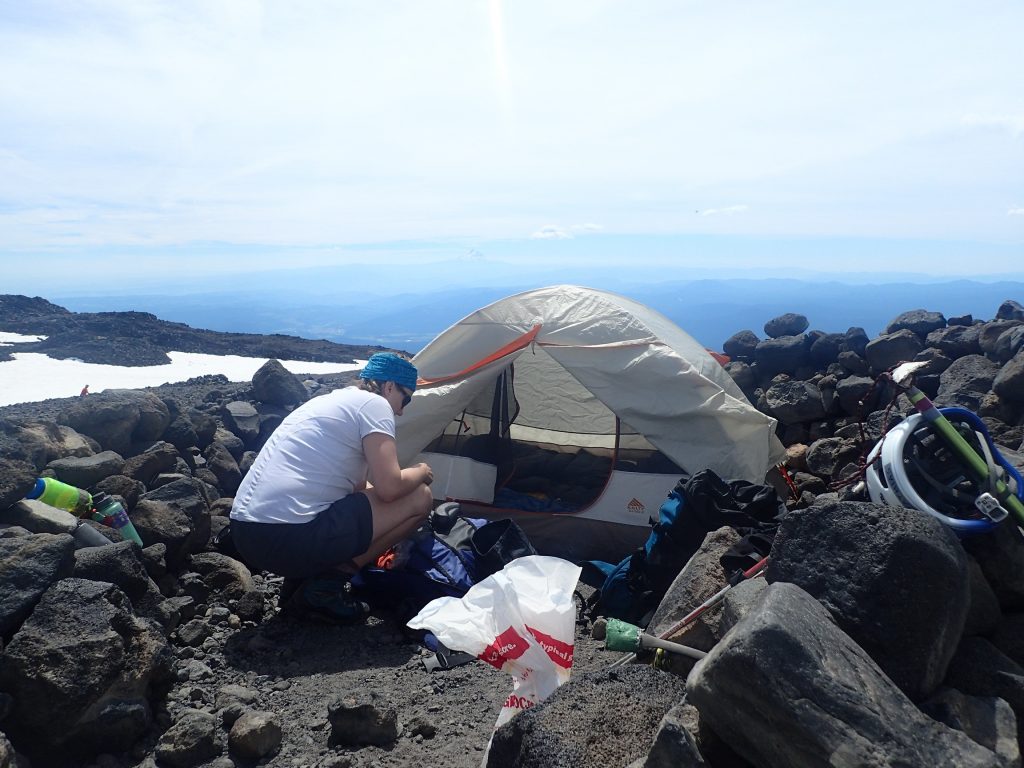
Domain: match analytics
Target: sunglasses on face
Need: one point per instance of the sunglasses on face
(406, 395)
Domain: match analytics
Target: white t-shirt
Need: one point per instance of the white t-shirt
(314, 458)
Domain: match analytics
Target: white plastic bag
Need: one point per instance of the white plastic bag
(521, 620)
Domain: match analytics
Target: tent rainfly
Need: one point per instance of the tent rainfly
(574, 412)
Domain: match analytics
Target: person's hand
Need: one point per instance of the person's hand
(428, 473)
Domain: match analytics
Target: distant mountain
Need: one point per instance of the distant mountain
(709, 310)
(141, 338)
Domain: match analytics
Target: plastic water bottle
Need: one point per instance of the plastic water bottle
(51, 491)
(109, 512)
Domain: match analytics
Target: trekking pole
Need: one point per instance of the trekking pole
(623, 636)
(903, 376)
(692, 616)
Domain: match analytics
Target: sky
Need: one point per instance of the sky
(31, 377)
(147, 139)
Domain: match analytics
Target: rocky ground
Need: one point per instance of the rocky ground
(880, 639)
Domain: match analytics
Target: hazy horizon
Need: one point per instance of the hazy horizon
(188, 143)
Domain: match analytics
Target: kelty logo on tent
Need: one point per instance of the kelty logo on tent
(506, 646)
(636, 506)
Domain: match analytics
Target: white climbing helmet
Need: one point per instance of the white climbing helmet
(911, 466)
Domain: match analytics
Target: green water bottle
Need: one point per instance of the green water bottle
(51, 491)
(110, 512)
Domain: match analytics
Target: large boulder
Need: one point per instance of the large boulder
(176, 514)
(794, 402)
(920, 321)
(786, 687)
(118, 418)
(273, 383)
(891, 349)
(1009, 382)
(29, 565)
(789, 324)
(86, 471)
(966, 382)
(82, 669)
(785, 354)
(895, 579)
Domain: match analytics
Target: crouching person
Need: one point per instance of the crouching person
(326, 494)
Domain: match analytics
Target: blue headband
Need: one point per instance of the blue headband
(387, 366)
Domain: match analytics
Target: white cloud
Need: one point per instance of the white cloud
(727, 211)
(1015, 211)
(1012, 123)
(551, 232)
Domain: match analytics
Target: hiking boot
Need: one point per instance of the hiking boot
(326, 599)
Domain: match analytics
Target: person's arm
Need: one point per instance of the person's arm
(389, 479)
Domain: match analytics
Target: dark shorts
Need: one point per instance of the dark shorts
(298, 550)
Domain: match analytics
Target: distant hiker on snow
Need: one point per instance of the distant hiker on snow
(84, 392)
(306, 510)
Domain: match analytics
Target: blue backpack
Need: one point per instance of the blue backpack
(632, 589)
(444, 558)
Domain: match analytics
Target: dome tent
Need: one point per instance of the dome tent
(575, 411)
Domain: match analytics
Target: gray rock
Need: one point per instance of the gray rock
(180, 433)
(700, 578)
(989, 721)
(34, 516)
(363, 717)
(853, 363)
(31, 564)
(1009, 382)
(972, 374)
(793, 402)
(956, 341)
(920, 321)
(1000, 553)
(162, 523)
(857, 395)
(895, 580)
(1010, 310)
(785, 354)
(194, 632)
(121, 485)
(231, 694)
(121, 564)
(86, 471)
(980, 669)
(791, 689)
(984, 614)
(83, 667)
(739, 601)
(741, 346)
(255, 735)
(223, 466)
(1009, 343)
(891, 349)
(160, 457)
(632, 699)
(231, 441)
(1008, 636)
(674, 746)
(191, 741)
(826, 457)
(224, 574)
(826, 348)
(185, 496)
(274, 384)
(789, 324)
(243, 419)
(118, 418)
